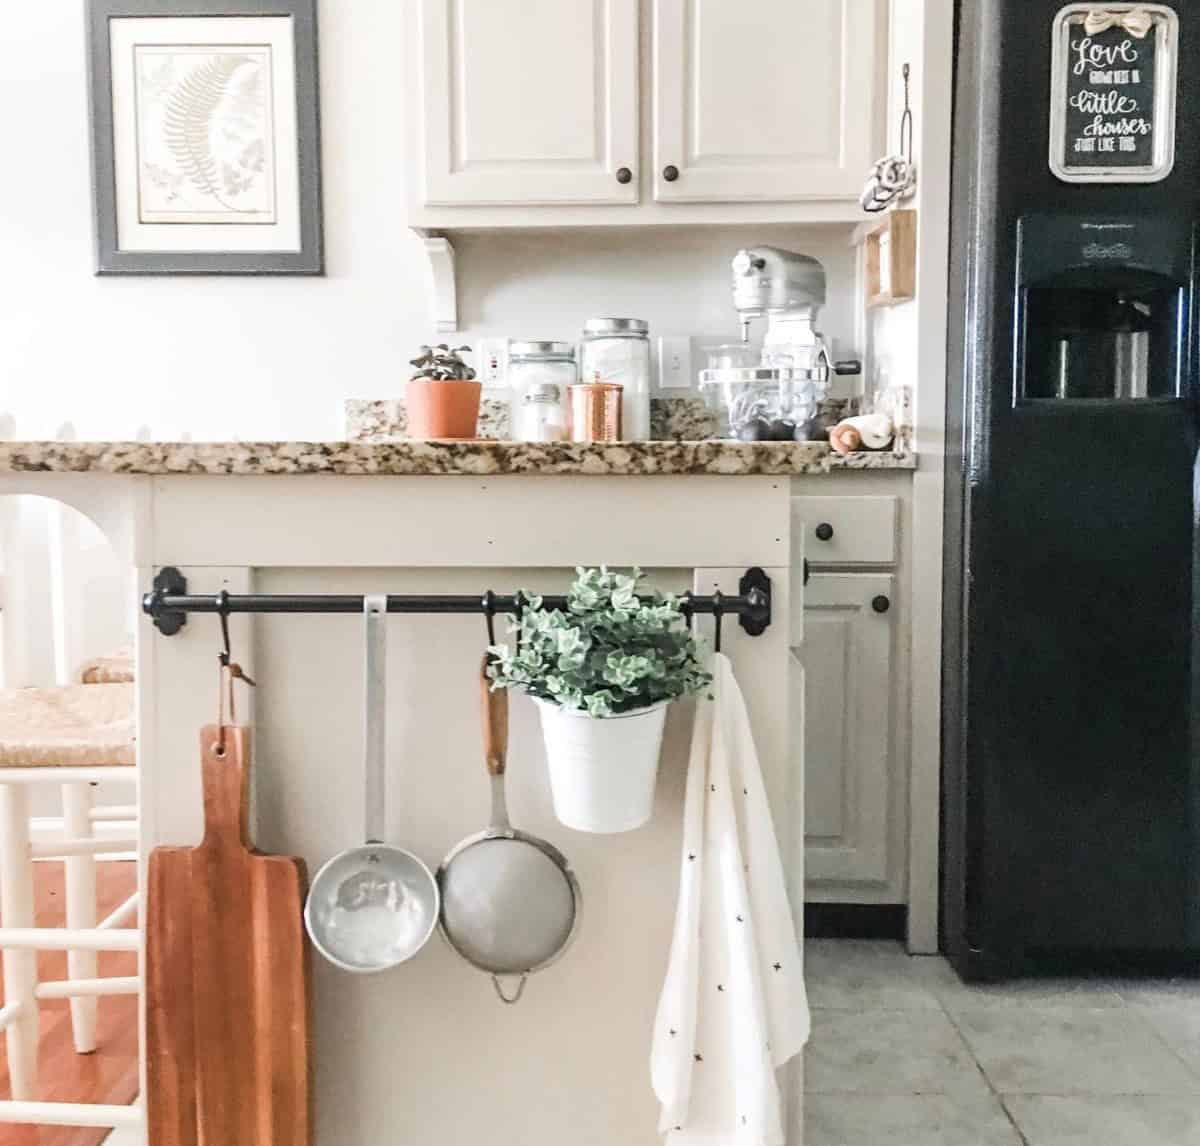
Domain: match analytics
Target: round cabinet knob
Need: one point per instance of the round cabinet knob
(881, 604)
(824, 531)
(670, 173)
(624, 175)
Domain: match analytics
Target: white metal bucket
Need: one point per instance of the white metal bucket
(603, 771)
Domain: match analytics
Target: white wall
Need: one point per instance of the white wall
(273, 358)
(64, 595)
(895, 329)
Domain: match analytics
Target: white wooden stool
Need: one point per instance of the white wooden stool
(75, 736)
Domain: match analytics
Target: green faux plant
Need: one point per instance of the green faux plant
(441, 364)
(608, 653)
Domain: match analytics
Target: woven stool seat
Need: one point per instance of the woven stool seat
(115, 668)
(79, 726)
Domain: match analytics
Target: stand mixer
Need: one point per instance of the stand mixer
(777, 398)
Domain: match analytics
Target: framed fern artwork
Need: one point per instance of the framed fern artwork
(205, 139)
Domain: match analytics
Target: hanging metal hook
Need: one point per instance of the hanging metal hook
(519, 613)
(489, 613)
(225, 656)
(718, 599)
(906, 120)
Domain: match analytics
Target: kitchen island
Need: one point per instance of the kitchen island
(426, 1053)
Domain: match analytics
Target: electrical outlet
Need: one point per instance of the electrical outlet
(675, 362)
(491, 360)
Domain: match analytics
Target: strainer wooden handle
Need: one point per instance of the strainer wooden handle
(495, 724)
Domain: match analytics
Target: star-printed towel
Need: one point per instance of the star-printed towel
(733, 1007)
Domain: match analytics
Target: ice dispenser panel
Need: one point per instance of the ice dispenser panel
(1102, 308)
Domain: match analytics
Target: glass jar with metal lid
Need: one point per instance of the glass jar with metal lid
(618, 351)
(538, 376)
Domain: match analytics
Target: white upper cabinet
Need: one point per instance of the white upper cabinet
(530, 113)
(529, 102)
(766, 99)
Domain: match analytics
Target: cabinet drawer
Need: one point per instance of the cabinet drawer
(845, 530)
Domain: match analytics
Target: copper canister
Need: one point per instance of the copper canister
(595, 411)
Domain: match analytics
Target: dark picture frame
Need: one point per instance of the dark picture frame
(110, 258)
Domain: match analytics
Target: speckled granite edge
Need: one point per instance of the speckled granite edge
(471, 459)
(891, 459)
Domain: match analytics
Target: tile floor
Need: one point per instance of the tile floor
(904, 1054)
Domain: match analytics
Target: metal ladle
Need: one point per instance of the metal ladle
(374, 907)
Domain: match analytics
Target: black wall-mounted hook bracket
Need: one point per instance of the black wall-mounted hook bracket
(168, 581)
(755, 585)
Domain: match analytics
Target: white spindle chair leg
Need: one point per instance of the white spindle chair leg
(20, 967)
(81, 910)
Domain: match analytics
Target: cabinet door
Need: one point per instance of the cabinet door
(766, 99)
(530, 101)
(847, 687)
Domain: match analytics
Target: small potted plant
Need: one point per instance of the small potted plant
(442, 397)
(602, 673)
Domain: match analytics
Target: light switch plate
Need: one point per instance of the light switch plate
(675, 362)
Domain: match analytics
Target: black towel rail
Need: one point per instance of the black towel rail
(170, 603)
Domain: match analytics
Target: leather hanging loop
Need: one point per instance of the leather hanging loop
(228, 670)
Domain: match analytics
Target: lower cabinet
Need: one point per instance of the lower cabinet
(847, 684)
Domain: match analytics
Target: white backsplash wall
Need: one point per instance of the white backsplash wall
(543, 285)
(274, 357)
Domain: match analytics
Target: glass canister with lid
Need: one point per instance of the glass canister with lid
(539, 374)
(618, 351)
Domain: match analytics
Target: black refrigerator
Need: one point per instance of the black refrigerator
(1071, 786)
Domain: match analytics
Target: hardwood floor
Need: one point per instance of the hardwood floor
(110, 1075)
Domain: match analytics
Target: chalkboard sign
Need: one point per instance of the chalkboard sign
(1112, 111)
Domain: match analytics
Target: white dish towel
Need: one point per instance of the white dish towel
(733, 1007)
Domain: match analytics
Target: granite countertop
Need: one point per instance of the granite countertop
(469, 459)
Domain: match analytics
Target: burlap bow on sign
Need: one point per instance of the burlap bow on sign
(1137, 22)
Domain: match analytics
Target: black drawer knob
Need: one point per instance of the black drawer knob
(881, 604)
(624, 175)
(670, 173)
(824, 531)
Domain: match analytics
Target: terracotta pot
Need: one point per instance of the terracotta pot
(442, 409)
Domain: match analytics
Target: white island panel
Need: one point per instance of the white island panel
(426, 1053)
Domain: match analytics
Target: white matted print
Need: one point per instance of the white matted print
(204, 133)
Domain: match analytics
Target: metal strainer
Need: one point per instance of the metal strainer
(510, 902)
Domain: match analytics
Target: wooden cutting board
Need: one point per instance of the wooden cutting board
(227, 1014)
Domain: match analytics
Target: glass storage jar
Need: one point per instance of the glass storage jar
(538, 376)
(618, 351)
